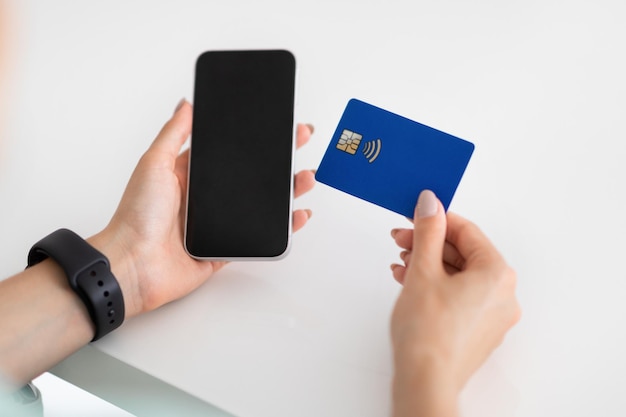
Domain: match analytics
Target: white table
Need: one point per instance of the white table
(538, 87)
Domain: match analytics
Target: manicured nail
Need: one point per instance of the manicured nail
(427, 204)
(311, 127)
(179, 105)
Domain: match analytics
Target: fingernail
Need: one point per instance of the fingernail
(394, 266)
(311, 127)
(394, 232)
(179, 105)
(309, 213)
(427, 204)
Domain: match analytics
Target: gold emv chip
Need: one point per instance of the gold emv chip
(349, 141)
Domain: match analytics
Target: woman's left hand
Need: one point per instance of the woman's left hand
(144, 239)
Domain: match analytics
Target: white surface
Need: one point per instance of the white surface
(539, 88)
(61, 399)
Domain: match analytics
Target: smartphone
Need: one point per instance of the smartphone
(240, 182)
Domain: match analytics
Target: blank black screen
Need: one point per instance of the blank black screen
(240, 174)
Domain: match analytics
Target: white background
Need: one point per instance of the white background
(538, 86)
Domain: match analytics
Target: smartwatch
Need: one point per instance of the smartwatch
(88, 273)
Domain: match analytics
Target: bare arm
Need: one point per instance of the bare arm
(42, 321)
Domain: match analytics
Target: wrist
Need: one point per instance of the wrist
(424, 385)
(123, 263)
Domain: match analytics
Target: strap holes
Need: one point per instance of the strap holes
(100, 283)
(106, 293)
(92, 273)
(110, 303)
(112, 321)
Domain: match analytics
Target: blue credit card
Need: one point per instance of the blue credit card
(388, 160)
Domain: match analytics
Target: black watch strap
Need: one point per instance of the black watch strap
(89, 275)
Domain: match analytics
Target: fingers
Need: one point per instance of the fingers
(465, 247)
(453, 262)
(303, 134)
(300, 217)
(175, 132)
(429, 235)
(182, 166)
(472, 244)
(403, 238)
(451, 255)
(303, 182)
(398, 272)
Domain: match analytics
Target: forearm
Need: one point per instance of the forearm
(42, 322)
(422, 387)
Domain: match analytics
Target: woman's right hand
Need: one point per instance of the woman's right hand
(457, 303)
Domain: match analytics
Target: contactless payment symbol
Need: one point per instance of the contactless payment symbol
(372, 150)
(349, 142)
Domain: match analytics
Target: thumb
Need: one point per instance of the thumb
(429, 235)
(175, 132)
